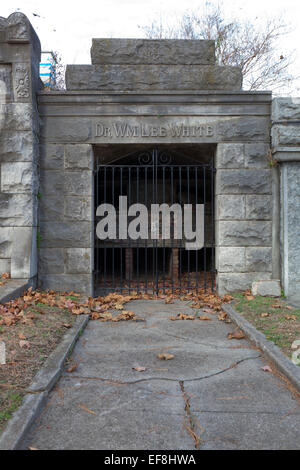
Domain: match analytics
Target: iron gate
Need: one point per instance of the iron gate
(154, 265)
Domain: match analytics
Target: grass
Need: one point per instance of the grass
(43, 332)
(278, 321)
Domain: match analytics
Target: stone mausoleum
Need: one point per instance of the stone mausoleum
(159, 122)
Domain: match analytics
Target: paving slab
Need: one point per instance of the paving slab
(106, 404)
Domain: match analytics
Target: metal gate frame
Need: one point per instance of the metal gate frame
(147, 171)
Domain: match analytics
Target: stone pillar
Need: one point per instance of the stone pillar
(19, 127)
(128, 263)
(243, 215)
(286, 153)
(66, 217)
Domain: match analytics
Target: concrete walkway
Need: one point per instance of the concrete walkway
(213, 386)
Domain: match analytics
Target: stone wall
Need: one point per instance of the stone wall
(19, 128)
(243, 215)
(286, 152)
(65, 217)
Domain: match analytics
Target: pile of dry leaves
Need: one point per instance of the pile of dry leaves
(107, 308)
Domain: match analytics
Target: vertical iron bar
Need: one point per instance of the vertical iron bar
(129, 244)
(204, 202)
(196, 202)
(149, 228)
(164, 241)
(113, 250)
(181, 241)
(156, 241)
(137, 242)
(188, 201)
(105, 248)
(212, 229)
(172, 235)
(121, 241)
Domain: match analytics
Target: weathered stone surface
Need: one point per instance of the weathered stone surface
(232, 282)
(250, 128)
(18, 116)
(78, 183)
(231, 207)
(153, 77)
(152, 51)
(51, 207)
(23, 261)
(18, 177)
(67, 129)
(5, 81)
(270, 288)
(17, 210)
(5, 242)
(78, 208)
(51, 261)
(231, 259)
(52, 157)
(259, 207)
(259, 259)
(244, 233)
(78, 261)
(243, 182)
(79, 157)
(256, 155)
(67, 282)
(52, 182)
(285, 108)
(230, 156)
(17, 146)
(4, 265)
(66, 234)
(287, 134)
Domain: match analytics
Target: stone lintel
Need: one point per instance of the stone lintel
(152, 51)
(153, 77)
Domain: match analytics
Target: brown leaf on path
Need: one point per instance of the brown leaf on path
(208, 310)
(237, 334)
(222, 316)
(66, 325)
(83, 407)
(165, 356)
(169, 300)
(276, 306)
(289, 307)
(22, 336)
(265, 315)
(24, 344)
(5, 276)
(204, 317)
(139, 369)
(72, 367)
(182, 316)
(267, 369)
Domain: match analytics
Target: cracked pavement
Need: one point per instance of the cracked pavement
(212, 395)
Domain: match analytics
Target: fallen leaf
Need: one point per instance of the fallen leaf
(289, 307)
(264, 315)
(203, 317)
(139, 369)
(22, 336)
(66, 325)
(208, 310)
(72, 368)
(237, 334)
(290, 317)
(182, 316)
(267, 369)
(222, 316)
(24, 344)
(165, 356)
(83, 407)
(249, 297)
